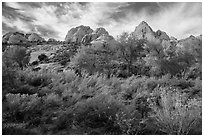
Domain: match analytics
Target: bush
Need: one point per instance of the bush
(23, 107)
(35, 79)
(16, 54)
(176, 114)
(42, 57)
(98, 113)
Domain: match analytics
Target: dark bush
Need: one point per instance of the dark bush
(42, 57)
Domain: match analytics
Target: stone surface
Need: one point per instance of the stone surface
(190, 44)
(76, 34)
(161, 35)
(104, 40)
(34, 37)
(144, 31)
(14, 38)
(51, 40)
(94, 35)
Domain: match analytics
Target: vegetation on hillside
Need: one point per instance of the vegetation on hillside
(135, 87)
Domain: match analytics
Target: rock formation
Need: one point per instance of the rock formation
(34, 37)
(144, 31)
(14, 38)
(161, 35)
(52, 40)
(94, 35)
(76, 34)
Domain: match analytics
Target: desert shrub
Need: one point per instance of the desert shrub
(176, 114)
(130, 122)
(16, 55)
(88, 85)
(42, 57)
(23, 107)
(25, 89)
(64, 122)
(35, 79)
(195, 91)
(8, 80)
(63, 58)
(52, 100)
(44, 91)
(195, 71)
(98, 113)
(133, 84)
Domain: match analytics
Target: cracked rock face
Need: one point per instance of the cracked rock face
(76, 34)
(144, 31)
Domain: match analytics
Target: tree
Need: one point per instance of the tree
(164, 57)
(155, 56)
(94, 58)
(130, 51)
(16, 55)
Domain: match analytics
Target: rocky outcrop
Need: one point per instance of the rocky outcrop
(161, 35)
(76, 34)
(88, 38)
(100, 31)
(144, 31)
(94, 35)
(105, 40)
(173, 38)
(34, 37)
(192, 45)
(51, 40)
(14, 38)
(199, 37)
(190, 41)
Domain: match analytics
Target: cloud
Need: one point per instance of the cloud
(55, 19)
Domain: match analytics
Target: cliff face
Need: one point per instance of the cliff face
(144, 31)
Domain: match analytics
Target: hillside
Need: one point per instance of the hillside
(140, 83)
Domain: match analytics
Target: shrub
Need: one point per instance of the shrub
(18, 55)
(35, 79)
(23, 107)
(176, 114)
(52, 100)
(42, 57)
(98, 113)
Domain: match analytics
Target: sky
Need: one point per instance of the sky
(55, 19)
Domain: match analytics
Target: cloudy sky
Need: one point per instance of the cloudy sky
(55, 19)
